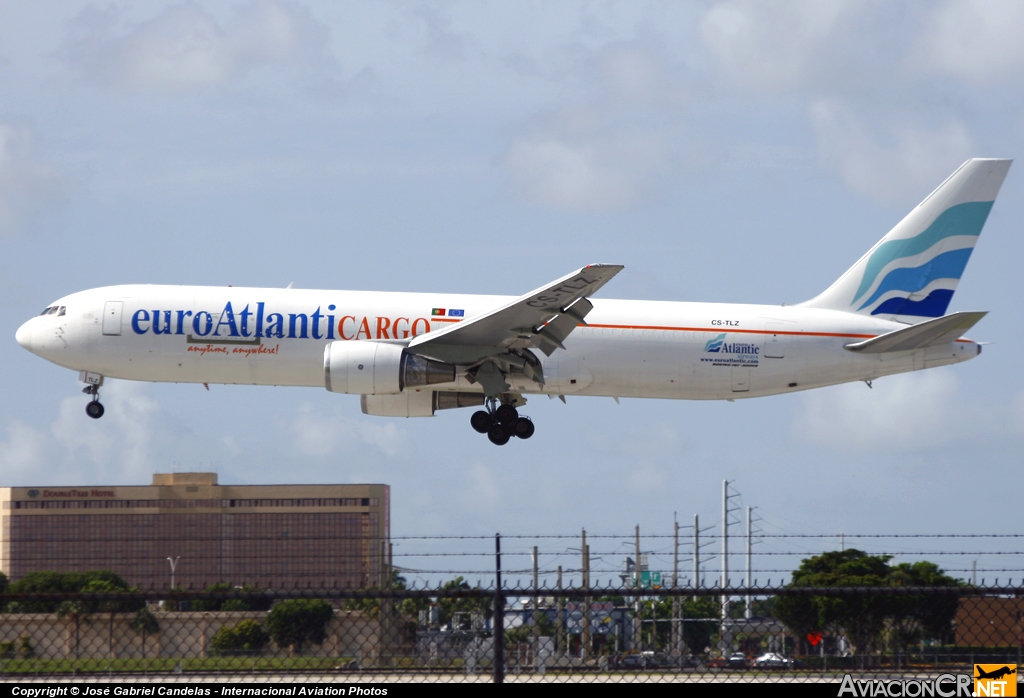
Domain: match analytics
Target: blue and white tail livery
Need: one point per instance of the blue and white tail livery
(912, 272)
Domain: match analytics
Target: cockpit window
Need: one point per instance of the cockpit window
(63, 309)
(49, 310)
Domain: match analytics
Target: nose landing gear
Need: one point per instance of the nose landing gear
(95, 408)
(501, 423)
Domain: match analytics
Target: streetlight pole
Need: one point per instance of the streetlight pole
(174, 566)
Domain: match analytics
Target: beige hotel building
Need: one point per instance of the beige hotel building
(271, 536)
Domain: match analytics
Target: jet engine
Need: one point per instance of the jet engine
(376, 368)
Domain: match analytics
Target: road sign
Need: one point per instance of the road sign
(650, 580)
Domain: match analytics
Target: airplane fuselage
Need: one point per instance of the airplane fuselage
(642, 349)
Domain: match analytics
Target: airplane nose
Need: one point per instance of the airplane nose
(24, 336)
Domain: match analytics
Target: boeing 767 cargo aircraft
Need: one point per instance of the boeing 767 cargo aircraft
(411, 354)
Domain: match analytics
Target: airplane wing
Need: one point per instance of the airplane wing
(941, 330)
(541, 319)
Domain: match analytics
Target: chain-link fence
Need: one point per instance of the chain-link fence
(570, 634)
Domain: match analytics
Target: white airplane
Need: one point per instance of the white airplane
(411, 354)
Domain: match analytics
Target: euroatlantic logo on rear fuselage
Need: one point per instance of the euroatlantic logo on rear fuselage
(718, 345)
(248, 324)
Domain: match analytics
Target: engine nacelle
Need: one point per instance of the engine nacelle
(417, 403)
(376, 368)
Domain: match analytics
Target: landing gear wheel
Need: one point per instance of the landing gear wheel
(481, 421)
(498, 435)
(94, 409)
(506, 414)
(523, 428)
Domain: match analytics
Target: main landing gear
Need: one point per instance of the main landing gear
(501, 424)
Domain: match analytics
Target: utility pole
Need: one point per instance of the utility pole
(747, 613)
(560, 640)
(585, 634)
(696, 553)
(726, 510)
(725, 547)
(536, 610)
(676, 626)
(638, 636)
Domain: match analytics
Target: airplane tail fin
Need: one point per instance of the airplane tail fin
(912, 272)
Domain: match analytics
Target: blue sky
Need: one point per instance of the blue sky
(731, 151)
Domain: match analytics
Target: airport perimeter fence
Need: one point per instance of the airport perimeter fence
(781, 633)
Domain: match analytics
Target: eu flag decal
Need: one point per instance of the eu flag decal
(437, 312)
(456, 313)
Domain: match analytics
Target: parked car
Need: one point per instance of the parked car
(773, 660)
(638, 660)
(736, 660)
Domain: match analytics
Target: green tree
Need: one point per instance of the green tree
(860, 617)
(447, 606)
(698, 630)
(47, 582)
(102, 586)
(257, 604)
(297, 622)
(921, 616)
(865, 618)
(248, 637)
(78, 611)
(145, 623)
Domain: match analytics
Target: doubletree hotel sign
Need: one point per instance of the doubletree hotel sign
(69, 494)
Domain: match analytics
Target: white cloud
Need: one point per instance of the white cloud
(610, 152)
(974, 40)
(184, 47)
(1017, 416)
(316, 434)
(480, 490)
(132, 440)
(27, 186)
(122, 443)
(23, 451)
(773, 45)
(906, 411)
(899, 161)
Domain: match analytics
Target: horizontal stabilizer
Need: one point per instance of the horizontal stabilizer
(926, 334)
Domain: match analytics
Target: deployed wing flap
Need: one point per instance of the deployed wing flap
(551, 336)
(542, 318)
(941, 330)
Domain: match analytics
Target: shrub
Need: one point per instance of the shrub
(297, 622)
(25, 650)
(248, 637)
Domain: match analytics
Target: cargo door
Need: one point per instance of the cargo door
(774, 340)
(112, 317)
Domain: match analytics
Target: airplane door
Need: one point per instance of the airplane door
(112, 317)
